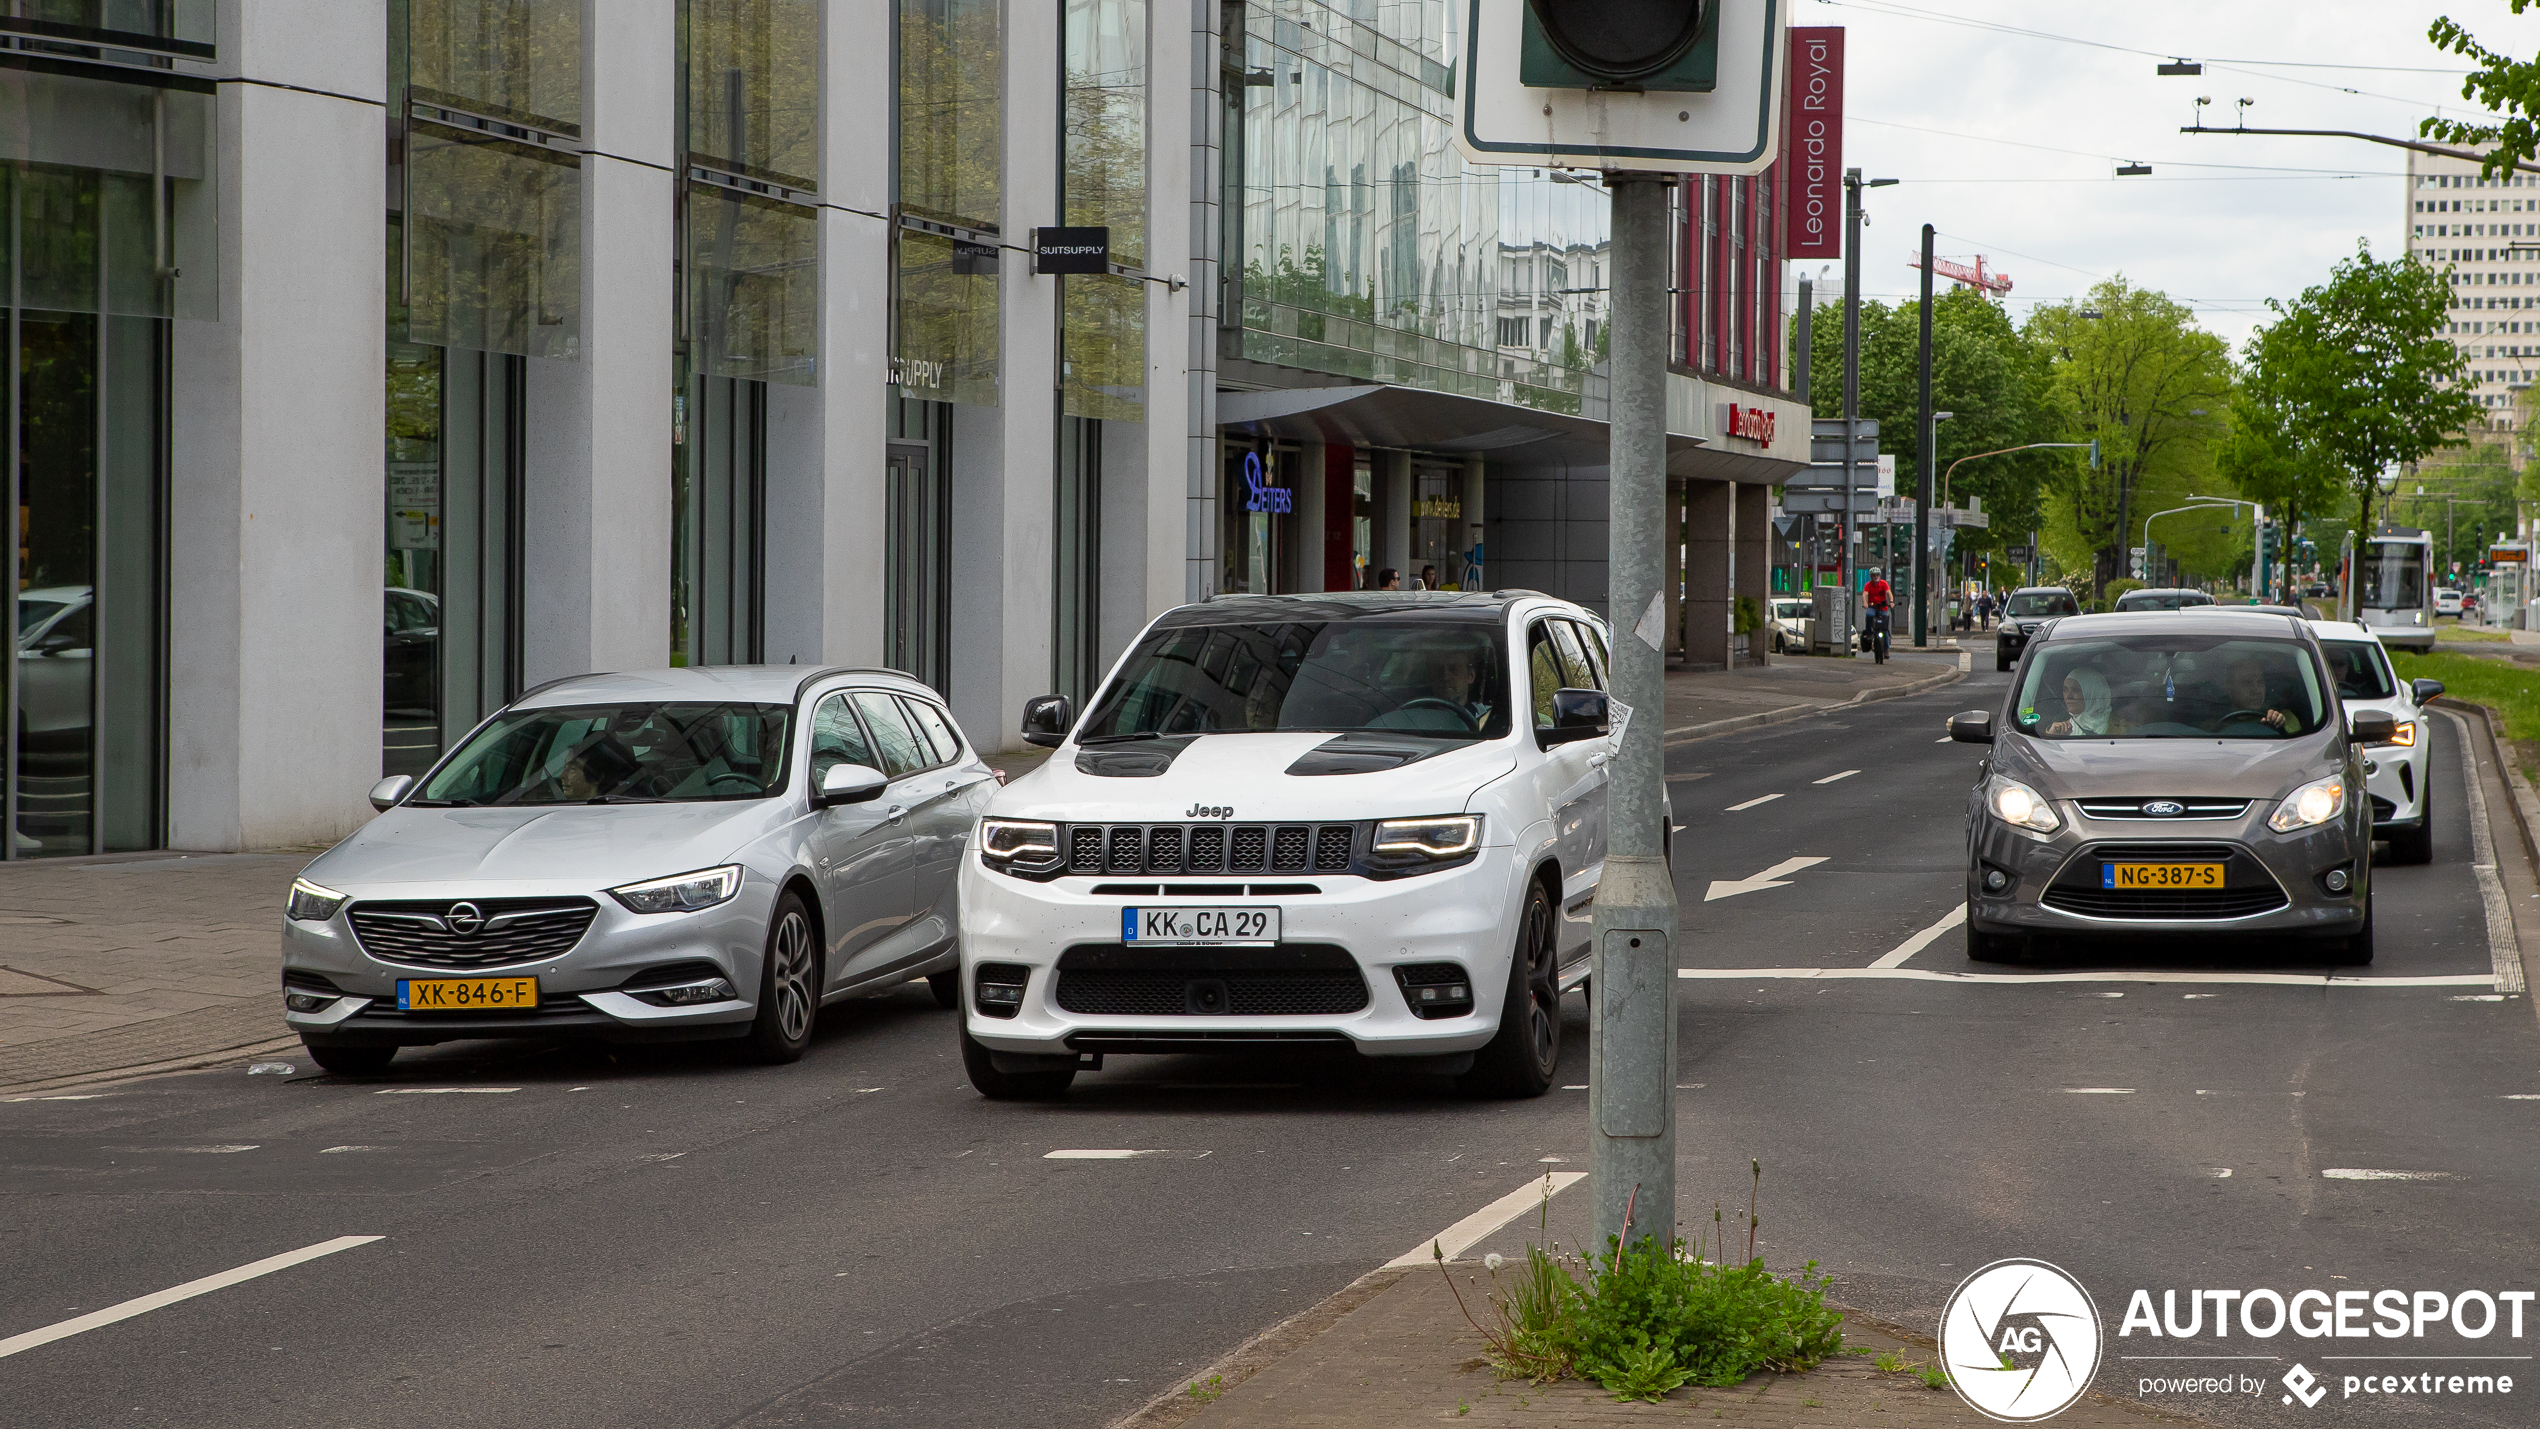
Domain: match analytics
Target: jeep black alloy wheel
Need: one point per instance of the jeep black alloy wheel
(789, 986)
(1520, 1061)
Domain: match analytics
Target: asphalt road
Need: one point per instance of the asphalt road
(658, 1237)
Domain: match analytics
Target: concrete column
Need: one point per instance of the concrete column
(1393, 507)
(1308, 528)
(1175, 436)
(277, 483)
(1675, 577)
(1202, 233)
(826, 501)
(1707, 513)
(597, 588)
(1752, 561)
(1126, 571)
(1475, 515)
(1003, 506)
(1340, 517)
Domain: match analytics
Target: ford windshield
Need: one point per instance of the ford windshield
(2172, 687)
(1421, 678)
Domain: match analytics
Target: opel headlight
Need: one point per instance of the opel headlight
(682, 892)
(2020, 806)
(2314, 803)
(1006, 844)
(312, 902)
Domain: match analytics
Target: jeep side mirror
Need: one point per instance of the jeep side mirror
(1576, 715)
(1047, 719)
(2372, 727)
(385, 794)
(1972, 727)
(2425, 690)
(849, 784)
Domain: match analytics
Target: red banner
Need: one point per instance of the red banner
(1816, 142)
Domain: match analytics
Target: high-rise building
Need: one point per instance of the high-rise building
(2487, 232)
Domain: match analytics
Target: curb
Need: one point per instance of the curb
(1176, 1406)
(1689, 733)
(2526, 803)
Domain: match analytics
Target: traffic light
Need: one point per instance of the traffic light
(1620, 44)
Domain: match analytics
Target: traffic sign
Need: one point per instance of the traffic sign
(1611, 113)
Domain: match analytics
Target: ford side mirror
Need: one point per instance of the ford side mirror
(2425, 690)
(1971, 727)
(1047, 719)
(2372, 727)
(849, 784)
(1576, 715)
(385, 794)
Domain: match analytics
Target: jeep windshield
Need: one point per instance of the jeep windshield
(2172, 687)
(1423, 678)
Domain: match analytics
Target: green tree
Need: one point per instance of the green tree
(2266, 459)
(2362, 368)
(2133, 372)
(1995, 385)
(2503, 85)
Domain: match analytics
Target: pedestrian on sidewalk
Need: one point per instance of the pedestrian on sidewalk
(1388, 579)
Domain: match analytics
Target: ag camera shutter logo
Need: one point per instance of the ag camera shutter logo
(2020, 1340)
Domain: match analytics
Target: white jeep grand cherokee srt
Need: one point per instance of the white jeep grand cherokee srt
(1367, 821)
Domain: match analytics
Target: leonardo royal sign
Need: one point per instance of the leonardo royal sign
(1753, 423)
(1816, 141)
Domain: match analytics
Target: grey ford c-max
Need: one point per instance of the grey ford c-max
(2170, 773)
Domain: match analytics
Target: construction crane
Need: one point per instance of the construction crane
(1978, 277)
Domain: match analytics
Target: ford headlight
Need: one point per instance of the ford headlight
(312, 902)
(2314, 803)
(2020, 806)
(682, 892)
(1018, 845)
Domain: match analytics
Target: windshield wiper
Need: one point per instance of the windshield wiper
(440, 803)
(1125, 738)
(625, 799)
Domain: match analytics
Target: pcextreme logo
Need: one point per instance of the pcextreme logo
(2020, 1340)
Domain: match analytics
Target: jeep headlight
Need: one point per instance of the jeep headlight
(2314, 803)
(2021, 807)
(1018, 845)
(1448, 836)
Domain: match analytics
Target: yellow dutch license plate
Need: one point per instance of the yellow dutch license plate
(466, 994)
(2160, 875)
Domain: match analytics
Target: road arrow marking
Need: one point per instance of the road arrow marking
(1769, 878)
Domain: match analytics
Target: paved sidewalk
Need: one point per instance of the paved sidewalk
(1716, 701)
(136, 960)
(1407, 1355)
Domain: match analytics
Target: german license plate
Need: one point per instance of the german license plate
(466, 994)
(2160, 875)
(1198, 927)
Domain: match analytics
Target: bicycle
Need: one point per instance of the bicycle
(1875, 633)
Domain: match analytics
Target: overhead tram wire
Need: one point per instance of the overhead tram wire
(2088, 154)
(1891, 8)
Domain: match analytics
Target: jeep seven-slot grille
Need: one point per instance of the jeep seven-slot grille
(1210, 848)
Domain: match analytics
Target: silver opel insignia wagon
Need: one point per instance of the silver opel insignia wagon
(2171, 774)
(672, 855)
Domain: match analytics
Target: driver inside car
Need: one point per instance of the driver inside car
(2246, 685)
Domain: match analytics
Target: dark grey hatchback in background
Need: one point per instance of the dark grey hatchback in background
(2170, 774)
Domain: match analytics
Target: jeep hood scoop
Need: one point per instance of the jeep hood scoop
(1368, 752)
(1167, 779)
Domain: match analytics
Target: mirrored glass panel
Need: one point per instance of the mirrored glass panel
(1104, 332)
(519, 60)
(947, 319)
(497, 234)
(151, 24)
(111, 205)
(754, 265)
(952, 110)
(754, 88)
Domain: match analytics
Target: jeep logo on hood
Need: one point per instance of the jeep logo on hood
(1209, 811)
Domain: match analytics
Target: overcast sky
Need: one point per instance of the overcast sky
(2222, 223)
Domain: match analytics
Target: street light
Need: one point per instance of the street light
(1971, 456)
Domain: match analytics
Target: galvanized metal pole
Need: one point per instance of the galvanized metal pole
(1851, 394)
(1632, 1089)
(1928, 450)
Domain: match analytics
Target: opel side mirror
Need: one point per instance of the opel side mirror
(1972, 727)
(1576, 715)
(385, 794)
(1047, 719)
(2425, 690)
(849, 784)
(2372, 727)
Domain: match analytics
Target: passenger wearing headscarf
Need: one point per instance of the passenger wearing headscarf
(2086, 704)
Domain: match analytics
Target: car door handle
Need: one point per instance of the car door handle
(897, 813)
(1599, 761)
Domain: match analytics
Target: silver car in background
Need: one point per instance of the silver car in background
(2171, 774)
(671, 855)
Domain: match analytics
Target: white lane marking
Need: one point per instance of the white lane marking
(2502, 953)
(1575, 1087)
(661, 1156)
(441, 1091)
(2522, 1096)
(1896, 956)
(2105, 975)
(160, 1299)
(2479, 997)
(1769, 878)
(2099, 1091)
(2196, 996)
(2219, 1173)
(82, 1097)
(1846, 774)
(335, 1150)
(1470, 1231)
(1092, 1154)
(1751, 803)
(227, 1150)
(2363, 1173)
